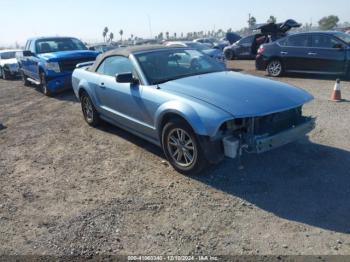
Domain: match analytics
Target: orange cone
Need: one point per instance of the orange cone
(336, 95)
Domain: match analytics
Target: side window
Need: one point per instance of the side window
(247, 40)
(283, 42)
(324, 41)
(298, 41)
(115, 65)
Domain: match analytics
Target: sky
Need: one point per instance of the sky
(85, 19)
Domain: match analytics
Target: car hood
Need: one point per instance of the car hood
(63, 55)
(8, 61)
(238, 94)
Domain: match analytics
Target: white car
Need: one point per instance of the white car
(8, 64)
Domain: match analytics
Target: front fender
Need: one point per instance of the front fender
(183, 110)
(204, 120)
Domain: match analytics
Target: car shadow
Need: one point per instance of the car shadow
(302, 182)
(111, 129)
(67, 95)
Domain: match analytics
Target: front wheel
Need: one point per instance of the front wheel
(275, 68)
(4, 74)
(182, 149)
(43, 85)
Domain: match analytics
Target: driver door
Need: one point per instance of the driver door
(119, 101)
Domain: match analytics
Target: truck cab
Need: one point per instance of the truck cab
(49, 62)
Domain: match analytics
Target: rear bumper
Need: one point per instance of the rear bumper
(264, 144)
(260, 63)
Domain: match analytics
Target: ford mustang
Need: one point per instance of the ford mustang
(188, 104)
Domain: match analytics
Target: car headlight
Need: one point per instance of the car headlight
(53, 66)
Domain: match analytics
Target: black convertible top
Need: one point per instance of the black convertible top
(125, 51)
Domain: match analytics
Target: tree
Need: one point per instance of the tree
(251, 21)
(167, 35)
(328, 22)
(111, 37)
(272, 19)
(175, 35)
(121, 32)
(131, 36)
(104, 33)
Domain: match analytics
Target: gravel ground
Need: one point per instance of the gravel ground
(68, 189)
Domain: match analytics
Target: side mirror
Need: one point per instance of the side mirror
(126, 78)
(27, 53)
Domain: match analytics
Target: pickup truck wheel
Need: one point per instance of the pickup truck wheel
(182, 149)
(274, 68)
(25, 79)
(89, 111)
(43, 85)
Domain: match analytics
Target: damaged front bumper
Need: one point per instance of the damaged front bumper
(267, 143)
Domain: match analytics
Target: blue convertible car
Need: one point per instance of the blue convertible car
(187, 103)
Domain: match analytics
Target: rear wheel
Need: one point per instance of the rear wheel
(229, 55)
(24, 79)
(182, 149)
(89, 111)
(43, 85)
(275, 68)
(4, 74)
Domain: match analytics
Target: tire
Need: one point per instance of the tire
(182, 148)
(89, 111)
(4, 74)
(43, 85)
(229, 54)
(275, 68)
(24, 79)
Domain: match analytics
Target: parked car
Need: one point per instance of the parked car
(212, 52)
(247, 47)
(189, 105)
(49, 62)
(8, 64)
(313, 52)
(101, 48)
(213, 43)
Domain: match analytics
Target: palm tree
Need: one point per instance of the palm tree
(104, 33)
(175, 35)
(167, 35)
(111, 36)
(121, 32)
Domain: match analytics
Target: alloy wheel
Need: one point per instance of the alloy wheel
(274, 68)
(181, 147)
(87, 109)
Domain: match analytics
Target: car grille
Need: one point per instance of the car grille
(69, 65)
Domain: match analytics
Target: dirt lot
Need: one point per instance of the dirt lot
(66, 188)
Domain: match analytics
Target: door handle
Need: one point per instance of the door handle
(312, 53)
(284, 53)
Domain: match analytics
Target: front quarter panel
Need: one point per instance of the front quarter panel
(204, 119)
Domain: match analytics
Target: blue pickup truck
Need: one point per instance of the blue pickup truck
(49, 62)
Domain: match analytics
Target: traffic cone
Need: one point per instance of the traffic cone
(336, 95)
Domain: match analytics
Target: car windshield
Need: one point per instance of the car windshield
(166, 65)
(7, 55)
(59, 44)
(344, 37)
